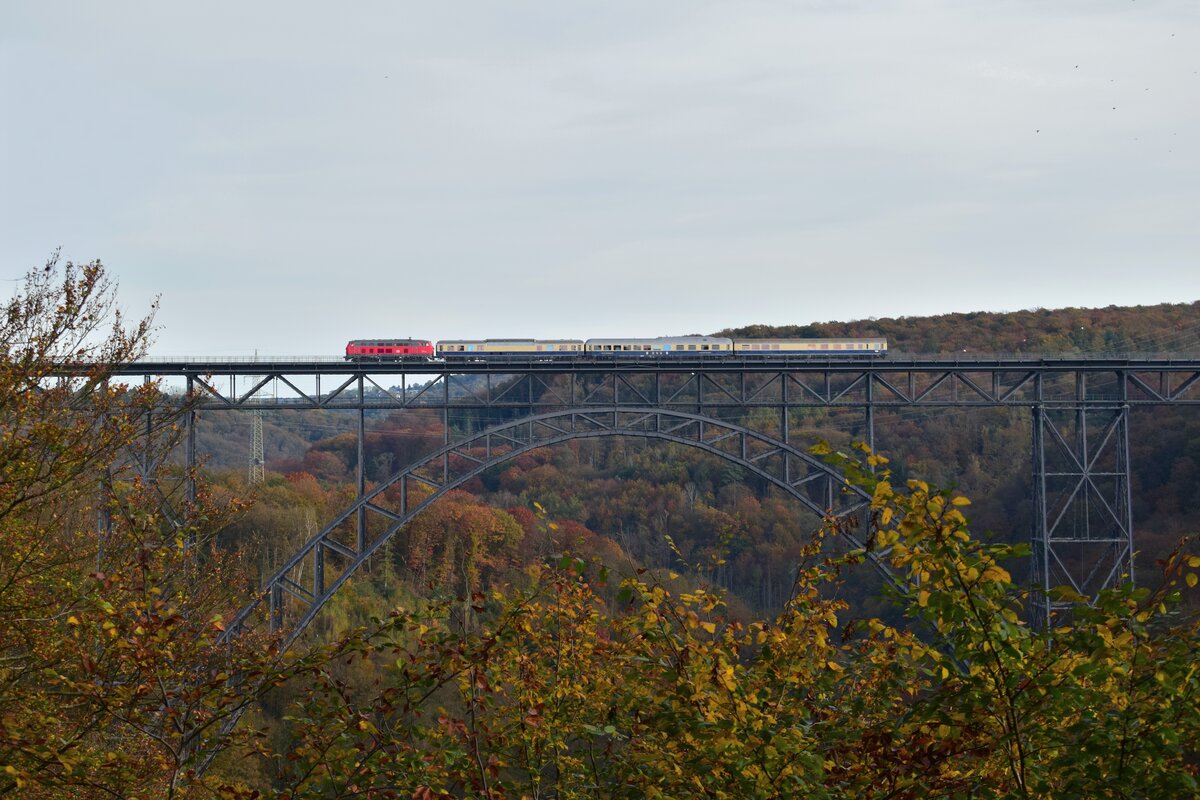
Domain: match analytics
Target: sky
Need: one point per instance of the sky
(287, 176)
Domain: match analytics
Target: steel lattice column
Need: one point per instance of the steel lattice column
(1083, 521)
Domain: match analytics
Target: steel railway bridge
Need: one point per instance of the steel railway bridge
(741, 409)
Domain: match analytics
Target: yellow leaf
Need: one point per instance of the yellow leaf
(923, 598)
(996, 574)
(833, 665)
(1193, 561)
(72, 620)
(1190, 578)
(709, 627)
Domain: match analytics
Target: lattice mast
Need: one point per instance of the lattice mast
(258, 462)
(258, 468)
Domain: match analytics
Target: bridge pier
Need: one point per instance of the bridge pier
(1083, 517)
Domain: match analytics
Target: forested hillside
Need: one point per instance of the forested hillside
(1117, 329)
(604, 618)
(633, 495)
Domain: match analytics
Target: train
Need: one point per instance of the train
(659, 347)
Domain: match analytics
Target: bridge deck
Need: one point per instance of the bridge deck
(327, 365)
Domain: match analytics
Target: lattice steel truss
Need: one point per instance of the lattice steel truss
(891, 383)
(310, 577)
(1083, 508)
(1082, 536)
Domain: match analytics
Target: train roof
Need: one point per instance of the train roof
(388, 341)
(664, 339)
(511, 341)
(798, 340)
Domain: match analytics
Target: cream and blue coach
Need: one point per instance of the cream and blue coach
(527, 348)
(810, 347)
(661, 346)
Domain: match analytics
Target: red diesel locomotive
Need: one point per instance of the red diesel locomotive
(389, 350)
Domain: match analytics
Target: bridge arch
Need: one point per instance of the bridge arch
(302, 578)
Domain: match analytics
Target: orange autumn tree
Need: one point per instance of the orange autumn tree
(457, 543)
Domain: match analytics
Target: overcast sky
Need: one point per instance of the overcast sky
(287, 176)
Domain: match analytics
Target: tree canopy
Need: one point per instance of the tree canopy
(517, 659)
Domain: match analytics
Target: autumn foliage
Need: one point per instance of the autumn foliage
(557, 692)
(524, 655)
(112, 683)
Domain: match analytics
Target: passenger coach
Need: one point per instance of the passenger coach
(810, 347)
(472, 349)
(661, 346)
